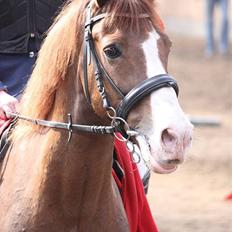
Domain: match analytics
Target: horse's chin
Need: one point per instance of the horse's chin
(148, 154)
(161, 168)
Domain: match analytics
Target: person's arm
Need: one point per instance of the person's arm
(8, 103)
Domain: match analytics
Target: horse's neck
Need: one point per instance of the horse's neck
(78, 173)
(69, 183)
(78, 178)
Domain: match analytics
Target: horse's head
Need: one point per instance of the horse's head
(129, 47)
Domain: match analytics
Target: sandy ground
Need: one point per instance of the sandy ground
(192, 198)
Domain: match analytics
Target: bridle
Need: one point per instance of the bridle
(119, 115)
(129, 100)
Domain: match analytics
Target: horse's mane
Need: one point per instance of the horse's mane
(62, 46)
(57, 54)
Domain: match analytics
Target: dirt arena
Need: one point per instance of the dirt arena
(192, 198)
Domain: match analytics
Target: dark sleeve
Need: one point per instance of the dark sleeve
(2, 86)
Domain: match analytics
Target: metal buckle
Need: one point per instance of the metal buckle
(69, 128)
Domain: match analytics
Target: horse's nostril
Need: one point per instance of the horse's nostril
(168, 137)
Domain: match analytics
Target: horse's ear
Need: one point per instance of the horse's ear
(100, 3)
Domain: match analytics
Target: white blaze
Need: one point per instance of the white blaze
(165, 110)
(151, 52)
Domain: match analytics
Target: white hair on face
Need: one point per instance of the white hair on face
(165, 111)
(151, 53)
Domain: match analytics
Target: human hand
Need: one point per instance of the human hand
(8, 103)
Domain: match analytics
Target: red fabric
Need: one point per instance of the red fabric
(229, 197)
(133, 195)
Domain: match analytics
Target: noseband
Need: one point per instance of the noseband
(144, 89)
(118, 117)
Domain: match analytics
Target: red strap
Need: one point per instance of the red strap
(118, 182)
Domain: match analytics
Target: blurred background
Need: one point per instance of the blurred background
(193, 199)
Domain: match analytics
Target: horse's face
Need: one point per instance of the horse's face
(130, 58)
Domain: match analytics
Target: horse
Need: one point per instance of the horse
(103, 63)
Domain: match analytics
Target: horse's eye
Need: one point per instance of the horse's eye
(112, 51)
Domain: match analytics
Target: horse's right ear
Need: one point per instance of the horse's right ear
(100, 3)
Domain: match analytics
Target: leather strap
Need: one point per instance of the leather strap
(143, 89)
(100, 72)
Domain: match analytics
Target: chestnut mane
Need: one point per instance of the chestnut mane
(62, 46)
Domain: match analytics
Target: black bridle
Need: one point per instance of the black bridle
(129, 100)
(99, 70)
(143, 89)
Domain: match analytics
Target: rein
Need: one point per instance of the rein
(69, 126)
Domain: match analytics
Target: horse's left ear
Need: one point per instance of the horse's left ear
(100, 3)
